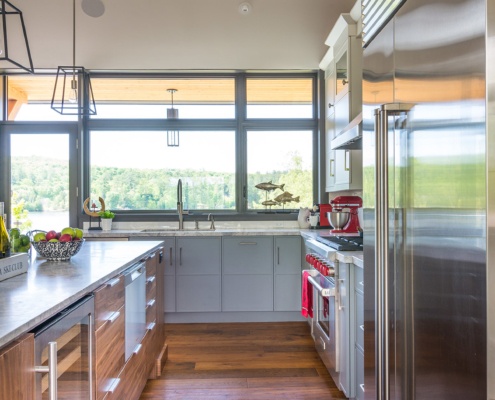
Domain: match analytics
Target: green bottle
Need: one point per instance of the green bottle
(4, 235)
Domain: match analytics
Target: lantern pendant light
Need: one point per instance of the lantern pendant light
(172, 114)
(12, 23)
(71, 83)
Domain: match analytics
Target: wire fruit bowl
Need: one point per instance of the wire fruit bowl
(57, 251)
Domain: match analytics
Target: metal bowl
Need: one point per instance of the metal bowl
(338, 219)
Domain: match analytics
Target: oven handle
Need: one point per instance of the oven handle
(324, 292)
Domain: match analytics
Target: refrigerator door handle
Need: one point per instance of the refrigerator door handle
(382, 248)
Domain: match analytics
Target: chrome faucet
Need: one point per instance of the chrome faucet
(180, 206)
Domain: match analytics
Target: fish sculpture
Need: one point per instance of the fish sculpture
(270, 203)
(286, 197)
(268, 186)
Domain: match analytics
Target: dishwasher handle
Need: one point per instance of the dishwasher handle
(134, 272)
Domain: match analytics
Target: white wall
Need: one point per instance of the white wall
(182, 34)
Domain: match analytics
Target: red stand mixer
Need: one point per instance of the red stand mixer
(345, 221)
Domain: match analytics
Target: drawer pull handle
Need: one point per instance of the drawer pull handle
(113, 282)
(113, 385)
(151, 326)
(113, 317)
(361, 283)
(362, 387)
(248, 243)
(361, 327)
(151, 303)
(150, 279)
(137, 348)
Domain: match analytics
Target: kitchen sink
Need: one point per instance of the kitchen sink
(158, 230)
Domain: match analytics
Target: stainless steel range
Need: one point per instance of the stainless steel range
(321, 276)
(328, 280)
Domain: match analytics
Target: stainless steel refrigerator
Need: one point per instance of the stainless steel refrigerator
(428, 112)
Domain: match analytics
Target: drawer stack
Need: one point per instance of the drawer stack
(110, 338)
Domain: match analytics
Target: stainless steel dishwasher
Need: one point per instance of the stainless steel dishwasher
(135, 308)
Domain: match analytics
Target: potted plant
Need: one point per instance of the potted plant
(106, 219)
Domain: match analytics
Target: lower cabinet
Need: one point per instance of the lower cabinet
(247, 283)
(109, 335)
(197, 274)
(359, 329)
(287, 273)
(16, 369)
(117, 378)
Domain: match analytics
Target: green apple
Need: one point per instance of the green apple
(39, 237)
(15, 233)
(53, 240)
(24, 240)
(79, 233)
(68, 231)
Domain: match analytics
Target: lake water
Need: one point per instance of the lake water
(48, 220)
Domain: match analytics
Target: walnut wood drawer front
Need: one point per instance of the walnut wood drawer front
(118, 390)
(151, 265)
(138, 368)
(151, 311)
(109, 298)
(110, 353)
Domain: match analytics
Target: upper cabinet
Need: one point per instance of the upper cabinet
(343, 97)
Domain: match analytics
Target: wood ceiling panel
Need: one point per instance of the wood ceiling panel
(190, 91)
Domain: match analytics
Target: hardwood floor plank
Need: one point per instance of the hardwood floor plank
(251, 361)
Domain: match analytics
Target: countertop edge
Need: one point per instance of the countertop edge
(33, 322)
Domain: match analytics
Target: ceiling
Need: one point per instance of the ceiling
(167, 35)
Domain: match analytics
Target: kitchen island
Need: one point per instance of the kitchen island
(81, 314)
(48, 287)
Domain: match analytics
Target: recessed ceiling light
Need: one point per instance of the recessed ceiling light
(245, 8)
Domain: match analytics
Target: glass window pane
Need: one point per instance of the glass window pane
(143, 173)
(279, 98)
(284, 161)
(199, 98)
(29, 99)
(40, 181)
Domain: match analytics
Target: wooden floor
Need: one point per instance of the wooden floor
(251, 361)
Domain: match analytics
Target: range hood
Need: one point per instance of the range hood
(350, 137)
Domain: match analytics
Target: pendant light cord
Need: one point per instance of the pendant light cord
(74, 40)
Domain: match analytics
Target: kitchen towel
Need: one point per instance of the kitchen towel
(306, 296)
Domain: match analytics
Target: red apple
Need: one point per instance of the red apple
(51, 235)
(65, 238)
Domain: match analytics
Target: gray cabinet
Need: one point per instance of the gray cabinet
(247, 281)
(287, 273)
(169, 284)
(197, 274)
(346, 334)
(359, 329)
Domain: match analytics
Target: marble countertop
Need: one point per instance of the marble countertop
(165, 232)
(48, 287)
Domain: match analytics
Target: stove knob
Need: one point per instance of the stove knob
(308, 257)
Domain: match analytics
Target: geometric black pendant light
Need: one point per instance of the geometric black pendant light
(12, 25)
(172, 114)
(70, 84)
